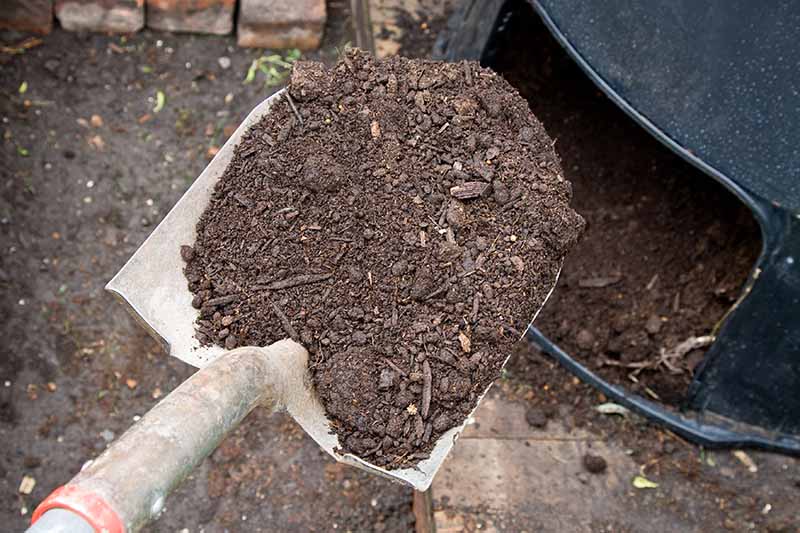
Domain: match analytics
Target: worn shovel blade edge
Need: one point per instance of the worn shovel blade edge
(152, 283)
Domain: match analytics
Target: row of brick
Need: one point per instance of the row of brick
(259, 23)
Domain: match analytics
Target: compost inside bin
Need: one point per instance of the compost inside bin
(404, 220)
(666, 250)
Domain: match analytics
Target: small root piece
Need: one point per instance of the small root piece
(427, 382)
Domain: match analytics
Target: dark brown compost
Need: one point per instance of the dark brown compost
(403, 220)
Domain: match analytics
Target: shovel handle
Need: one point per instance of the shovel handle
(126, 486)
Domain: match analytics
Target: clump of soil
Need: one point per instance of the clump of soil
(404, 220)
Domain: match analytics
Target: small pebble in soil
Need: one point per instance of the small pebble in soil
(31, 461)
(585, 339)
(594, 463)
(536, 417)
(386, 379)
(653, 324)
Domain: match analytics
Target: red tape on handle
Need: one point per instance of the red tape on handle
(91, 507)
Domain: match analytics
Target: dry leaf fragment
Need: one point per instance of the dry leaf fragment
(746, 460)
(466, 344)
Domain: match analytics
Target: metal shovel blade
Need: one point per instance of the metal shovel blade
(153, 286)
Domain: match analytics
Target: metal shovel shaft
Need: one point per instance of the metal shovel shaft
(126, 486)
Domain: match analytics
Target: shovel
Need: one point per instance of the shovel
(127, 485)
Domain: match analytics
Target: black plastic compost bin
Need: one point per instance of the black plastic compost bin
(718, 82)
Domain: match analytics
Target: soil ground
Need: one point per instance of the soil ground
(62, 239)
(76, 199)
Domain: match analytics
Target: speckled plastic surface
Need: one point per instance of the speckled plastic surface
(721, 79)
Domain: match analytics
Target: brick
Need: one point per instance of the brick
(281, 23)
(118, 16)
(196, 16)
(27, 15)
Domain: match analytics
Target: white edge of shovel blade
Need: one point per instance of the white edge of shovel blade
(152, 282)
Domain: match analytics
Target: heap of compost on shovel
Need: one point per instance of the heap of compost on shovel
(404, 220)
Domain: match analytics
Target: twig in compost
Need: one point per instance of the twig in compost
(395, 367)
(476, 303)
(221, 300)
(668, 358)
(438, 291)
(676, 303)
(326, 293)
(637, 365)
(291, 104)
(427, 435)
(340, 255)
(427, 380)
(434, 148)
(469, 190)
(302, 279)
(512, 203)
(372, 451)
(282, 210)
(467, 73)
(287, 326)
(442, 214)
(452, 362)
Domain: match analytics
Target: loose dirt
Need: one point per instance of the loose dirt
(59, 251)
(404, 220)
